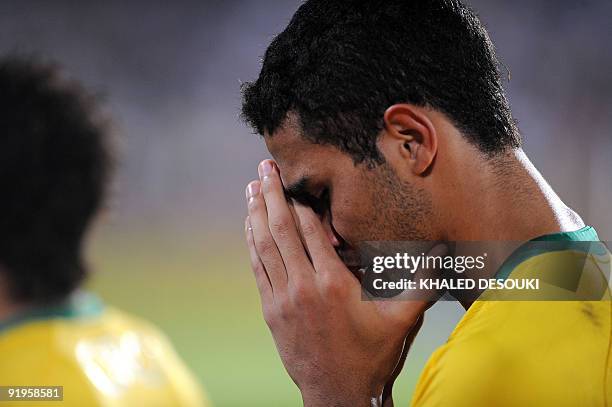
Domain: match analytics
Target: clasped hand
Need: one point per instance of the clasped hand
(339, 349)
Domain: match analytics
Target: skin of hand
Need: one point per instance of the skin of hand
(339, 349)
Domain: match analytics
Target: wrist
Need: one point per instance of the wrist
(344, 401)
(340, 398)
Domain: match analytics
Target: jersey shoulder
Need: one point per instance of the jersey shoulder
(521, 353)
(507, 352)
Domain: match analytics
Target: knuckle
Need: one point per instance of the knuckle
(248, 236)
(259, 271)
(333, 286)
(301, 294)
(269, 317)
(280, 226)
(265, 247)
(284, 309)
(254, 204)
(309, 229)
(285, 314)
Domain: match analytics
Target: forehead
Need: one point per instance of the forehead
(298, 157)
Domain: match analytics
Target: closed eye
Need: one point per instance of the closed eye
(300, 191)
(321, 203)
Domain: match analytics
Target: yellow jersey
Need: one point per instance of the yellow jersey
(530, 353)
(100, 355)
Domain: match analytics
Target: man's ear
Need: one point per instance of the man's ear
(410, 139)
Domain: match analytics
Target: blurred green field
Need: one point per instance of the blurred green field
(201, 293)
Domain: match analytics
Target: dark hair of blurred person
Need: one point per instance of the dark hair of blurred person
(55, 163)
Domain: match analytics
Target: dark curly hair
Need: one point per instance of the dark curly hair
(340, 64)
(55, 162)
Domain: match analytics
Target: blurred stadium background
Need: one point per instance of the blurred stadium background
(170, 246)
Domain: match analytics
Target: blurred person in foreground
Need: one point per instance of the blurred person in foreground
(387, 121)
(55, 165)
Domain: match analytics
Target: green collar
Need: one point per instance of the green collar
(78, 305)
(560, 241)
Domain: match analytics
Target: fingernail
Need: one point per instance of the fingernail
(265, 168)
(252, 189)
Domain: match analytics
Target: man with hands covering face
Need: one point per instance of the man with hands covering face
(387, 121)
(338, 349)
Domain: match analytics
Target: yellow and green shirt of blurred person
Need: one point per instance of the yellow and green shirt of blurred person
(100, 355)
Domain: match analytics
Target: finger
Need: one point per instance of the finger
(296, 220)
(261, 277)
(320, 249)
(282, 226)
(264, 243)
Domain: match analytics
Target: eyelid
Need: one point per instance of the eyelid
(324, 193)
(302, 199)
(322, 202)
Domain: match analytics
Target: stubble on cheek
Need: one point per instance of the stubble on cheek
(400, 211)
(380, 207)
